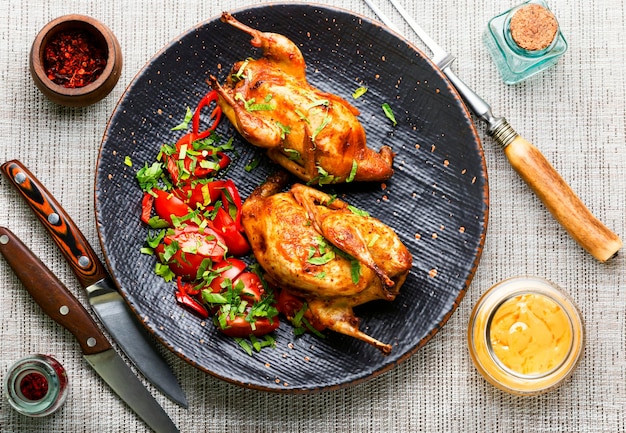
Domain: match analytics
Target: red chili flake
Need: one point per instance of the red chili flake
(73, 59)
(34, 386)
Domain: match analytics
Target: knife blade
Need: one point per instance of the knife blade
(59, 303)
(102, 293)
(526, 159)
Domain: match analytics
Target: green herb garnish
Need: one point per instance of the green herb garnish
(353, 170)
(185, 123)
(359, 92)
(389, 113)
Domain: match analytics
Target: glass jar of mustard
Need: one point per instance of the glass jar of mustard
(525, 335)
(524, 41)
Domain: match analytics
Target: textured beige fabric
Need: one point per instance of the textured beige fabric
(575, 113)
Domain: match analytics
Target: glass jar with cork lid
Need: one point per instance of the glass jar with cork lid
(524, 41)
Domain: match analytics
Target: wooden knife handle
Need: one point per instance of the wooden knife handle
(65, 233)
(52, 296)
(561, 201)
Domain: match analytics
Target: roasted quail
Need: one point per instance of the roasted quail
(313, 134)
(309, 243)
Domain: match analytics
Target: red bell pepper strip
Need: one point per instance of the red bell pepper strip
(193, 166)
(231, 195)
(187, 301)
(216, 114)
(146, 207)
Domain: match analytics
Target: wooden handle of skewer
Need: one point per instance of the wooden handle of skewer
(561, 201)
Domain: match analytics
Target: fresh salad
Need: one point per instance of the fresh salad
(193, 217)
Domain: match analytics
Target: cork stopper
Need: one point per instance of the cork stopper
(533, 27)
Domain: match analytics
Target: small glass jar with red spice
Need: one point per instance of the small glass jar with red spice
(36, 385)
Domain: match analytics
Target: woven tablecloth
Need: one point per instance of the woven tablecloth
(574, 113)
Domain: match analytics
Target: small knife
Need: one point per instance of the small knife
(525, 158)
(103, 296)
(58, 303)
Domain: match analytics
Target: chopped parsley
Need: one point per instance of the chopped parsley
(325, 252)
(150, 177)
(302, 325)
(302, 116)
(353, 170)
(357, 211)
(239, 75)
(254, 163)
(389, 113)
(324, 177)
(251, 104)
(325, 121)
(284, 130)
(185, 123)
(292, 154)
(256, 343)
(359, 92)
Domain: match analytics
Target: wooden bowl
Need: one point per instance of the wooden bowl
(90, 93)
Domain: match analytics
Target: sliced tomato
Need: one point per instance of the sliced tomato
(235, 240)
(240, 327)
(199, 194)
(252, 286)
(229, 269)
(167, 205)
(192, 246)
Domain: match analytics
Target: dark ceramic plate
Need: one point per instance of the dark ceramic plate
(437, 199)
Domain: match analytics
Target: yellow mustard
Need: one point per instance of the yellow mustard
(530, 334)
(525, 335)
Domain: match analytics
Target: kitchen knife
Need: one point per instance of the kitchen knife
(58, 303)
(525, 158)
(104, 298)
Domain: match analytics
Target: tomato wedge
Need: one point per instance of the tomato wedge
(252, 286)
(185, 250)
(188, 162)
(200, 194)
(240, 327)
(235, 241)
(228, 269)
(167, 205)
